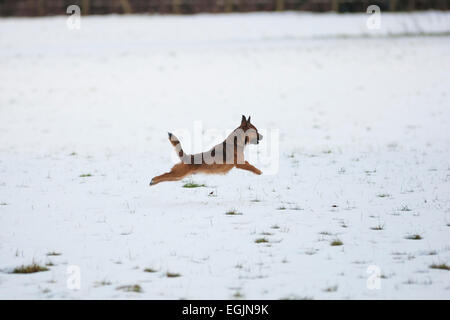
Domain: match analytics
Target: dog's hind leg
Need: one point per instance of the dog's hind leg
(178, 172)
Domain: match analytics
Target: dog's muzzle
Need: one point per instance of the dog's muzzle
(260, 136)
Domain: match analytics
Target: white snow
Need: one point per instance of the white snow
(359, 113)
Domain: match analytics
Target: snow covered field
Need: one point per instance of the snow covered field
(364, 147)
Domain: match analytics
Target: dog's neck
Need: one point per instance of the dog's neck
(237, 137)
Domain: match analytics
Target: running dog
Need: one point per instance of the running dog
(219, 160)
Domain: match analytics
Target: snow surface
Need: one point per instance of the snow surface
(362, 119)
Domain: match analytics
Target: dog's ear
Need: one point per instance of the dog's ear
(243, 121)
(248, 120)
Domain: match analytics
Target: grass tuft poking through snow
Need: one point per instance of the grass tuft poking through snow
(193, 185)
(261, 240)
(414, 237)
(172, 274)
(441, 266)
(130, 288)
(32, 268)
(233, 212)
(53, 253)
(336, 242)
(102, 283)
(331, 289)
(378, 227)
(383, 195)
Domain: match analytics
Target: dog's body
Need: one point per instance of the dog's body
(218, 160)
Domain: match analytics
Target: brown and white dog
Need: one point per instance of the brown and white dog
(218, 160)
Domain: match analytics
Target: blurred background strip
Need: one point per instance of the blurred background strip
(98, 7)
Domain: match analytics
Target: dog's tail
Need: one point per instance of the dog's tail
(176, 143)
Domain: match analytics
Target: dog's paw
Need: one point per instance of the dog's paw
(258, 172)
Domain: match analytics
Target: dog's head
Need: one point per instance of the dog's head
(251, 133)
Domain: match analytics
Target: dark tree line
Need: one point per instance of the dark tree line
(58, 7)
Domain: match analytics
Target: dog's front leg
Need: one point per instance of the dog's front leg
(247, 166)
